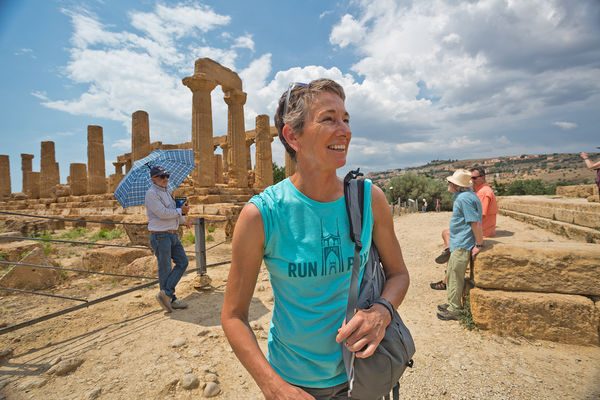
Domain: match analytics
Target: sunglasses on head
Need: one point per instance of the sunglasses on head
(163, 176)
(287, 96)
(478, 176)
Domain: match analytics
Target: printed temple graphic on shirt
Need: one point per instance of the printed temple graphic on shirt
(332, 260)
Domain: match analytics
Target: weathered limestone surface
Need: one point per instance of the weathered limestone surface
(111, 259)
(140, 135)
(571, 231)
(31, 278)
(569, 210)
(33, 185)
(96, 165)
(581, 191)
(5, 189)
(78, 174)
(557, 317)
(49, 173)
(236, 138)
(202, 130)
(26, 166)
(15, 251)
(218, 168)
(264, 159)
(540, 267)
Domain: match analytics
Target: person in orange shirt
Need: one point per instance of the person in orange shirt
(488, 201)
(489, 207)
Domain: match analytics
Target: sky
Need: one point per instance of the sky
(424, 79)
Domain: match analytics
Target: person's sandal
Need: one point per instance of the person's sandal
(438, 285)
(444, 257)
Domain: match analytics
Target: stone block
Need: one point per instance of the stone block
(31, 278)
(14, 251)
(548, 316)
(572, 268)
(111, 259)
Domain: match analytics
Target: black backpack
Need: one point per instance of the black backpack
(373, 377)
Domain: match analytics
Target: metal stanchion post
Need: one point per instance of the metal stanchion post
(201, 280)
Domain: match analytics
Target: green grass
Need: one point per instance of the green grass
(4, 256)
(190, 238)
(74, 233)
(466, 319)
(105, 234)
(211, 228)
(210, 238)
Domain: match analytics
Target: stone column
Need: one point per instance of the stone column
(116, 178)
(49, 174)
(79, 179)
(218, 168)
(225, 148)
(5, 190)
(33, 181)
(290, 165)
(236, 137)
(140, 135)
(249, 143)
(25, 168)
(118, 168)
(263, 159)
(128, 165)
(202, 130)
(96, 164)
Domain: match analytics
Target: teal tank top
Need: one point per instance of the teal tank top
(309, 255)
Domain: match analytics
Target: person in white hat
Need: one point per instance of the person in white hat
(466, 239)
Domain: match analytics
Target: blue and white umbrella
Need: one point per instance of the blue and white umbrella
(132, 189)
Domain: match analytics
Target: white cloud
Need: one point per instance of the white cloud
(244, 42)
(567, 126)
(347, 31)
(122, 145)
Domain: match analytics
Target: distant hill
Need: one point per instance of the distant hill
(550, 168)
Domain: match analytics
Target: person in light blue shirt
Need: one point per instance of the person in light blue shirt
(466, 239)
(300, 228)
(163, 221)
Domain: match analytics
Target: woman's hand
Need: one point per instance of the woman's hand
(285, 391)
(364, 331)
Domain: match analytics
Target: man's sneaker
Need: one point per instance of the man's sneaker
(178, 304)
(444, 257)
(448, 315)
(442, 307)
(164, 301)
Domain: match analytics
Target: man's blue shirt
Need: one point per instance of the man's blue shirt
(466, 209)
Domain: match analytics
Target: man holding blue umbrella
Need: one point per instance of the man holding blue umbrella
(163, 222)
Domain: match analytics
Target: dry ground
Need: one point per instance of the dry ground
(126, 343)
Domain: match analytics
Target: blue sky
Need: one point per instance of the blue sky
(425, 79)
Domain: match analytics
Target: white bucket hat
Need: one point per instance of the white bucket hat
(460, 177)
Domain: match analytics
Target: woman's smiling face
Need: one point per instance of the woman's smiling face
(326, 135)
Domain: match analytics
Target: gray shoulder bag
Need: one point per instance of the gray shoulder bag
(373, 377)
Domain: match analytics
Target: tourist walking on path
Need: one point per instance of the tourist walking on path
(466, 239)
(163, 222)
(594, 166)
(300, 228)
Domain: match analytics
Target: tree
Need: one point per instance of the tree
(278, 173)
(419, 187)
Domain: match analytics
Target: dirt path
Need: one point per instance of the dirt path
(129, 347)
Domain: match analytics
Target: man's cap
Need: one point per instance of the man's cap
(460, 177)
(156, 171)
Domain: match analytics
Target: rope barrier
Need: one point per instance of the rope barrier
(42, 294)
(91, 302)
(71, 219)
(218, 244)
(94, 221)
(78, 270)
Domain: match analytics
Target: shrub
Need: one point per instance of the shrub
(105, 234)
(210, 238)
(413, 186)
(278, 173)
(74, 233)
(190, 238)
(210, 228)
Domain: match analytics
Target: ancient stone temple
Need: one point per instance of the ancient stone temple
(5, 190)
(264, 159)
(49, 174)
(96, 167)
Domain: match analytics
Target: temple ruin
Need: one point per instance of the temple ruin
(219, 185)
